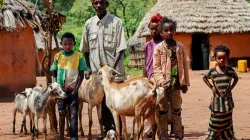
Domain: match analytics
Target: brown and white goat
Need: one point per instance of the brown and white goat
(21, 106)
(91, 92)
(130, 98)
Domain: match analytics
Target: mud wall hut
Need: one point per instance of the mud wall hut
(18, 63)
(216, 21)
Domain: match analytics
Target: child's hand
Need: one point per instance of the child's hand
(213, 89)
(164, 84)
(184, 89)
(87, 74)
(229, 89)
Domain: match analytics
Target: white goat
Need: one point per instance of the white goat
(22, 107)
(38, 102)
(111, 135)
(130, 98)
(91, 92)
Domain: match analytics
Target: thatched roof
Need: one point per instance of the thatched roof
(40, 42)
(202, 16)
(13, 15)
(135, 40)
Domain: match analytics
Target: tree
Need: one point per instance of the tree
(1, 3)
(131, 12)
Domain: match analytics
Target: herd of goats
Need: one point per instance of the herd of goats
(134, 97)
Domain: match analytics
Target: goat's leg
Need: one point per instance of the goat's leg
(23, 125)
(52, 116)
(30, 117)
(45, 127)
(133, 133)
(25, 128)
(148, 130)
(99, 114)
(36, 127)
(153, 125)
(80, 118)
(32, 127)
(138, 123)
(117, 124)
(124, 128)
(14, 120)
(142, 127)
(90, 121)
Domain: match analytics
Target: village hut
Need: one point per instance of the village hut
(137, 51)
(213, 21)
(40, 49)
(19, 62)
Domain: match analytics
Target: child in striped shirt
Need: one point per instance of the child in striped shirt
(221, 105)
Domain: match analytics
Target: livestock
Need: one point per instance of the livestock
(22, 107)
(149, 117)
(111, 135)
(130, 98)
(91, 92)
(38, 105)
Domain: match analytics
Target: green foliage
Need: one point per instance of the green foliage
(131, 12)
(1, 3)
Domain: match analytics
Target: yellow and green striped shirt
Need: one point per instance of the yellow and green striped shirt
(68, 67)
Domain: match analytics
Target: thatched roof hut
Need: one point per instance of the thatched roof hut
(13, 15)
(18, 47)
(218, 21)
(137, 53)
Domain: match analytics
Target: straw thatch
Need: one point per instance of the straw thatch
(40, 42)
(13, 15)
(202, 16)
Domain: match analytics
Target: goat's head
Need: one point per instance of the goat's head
(56, 90)
(160, 94)
(107, 71)
(28, 91)
(111, 135)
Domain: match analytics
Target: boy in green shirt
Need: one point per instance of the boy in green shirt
(68, 70)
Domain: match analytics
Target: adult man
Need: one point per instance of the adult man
(103, 42)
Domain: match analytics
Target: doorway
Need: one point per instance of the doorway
(200, 51)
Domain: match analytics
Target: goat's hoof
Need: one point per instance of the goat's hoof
(21, 133)
(82, 133)
(131, 137)
(99, 138)
(90, 137)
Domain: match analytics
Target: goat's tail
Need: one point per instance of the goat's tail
(152, 83)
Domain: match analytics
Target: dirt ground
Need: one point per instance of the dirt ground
(195, 112)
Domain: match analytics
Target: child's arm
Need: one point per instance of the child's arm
(205, 79)
(82, 67)
(54, 76)
(54, 69)
(144, 68)
(79, 82)
(236, 79)
(157, 69)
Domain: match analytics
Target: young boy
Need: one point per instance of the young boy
(171, 72)
(68, 70)
(221, 106)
